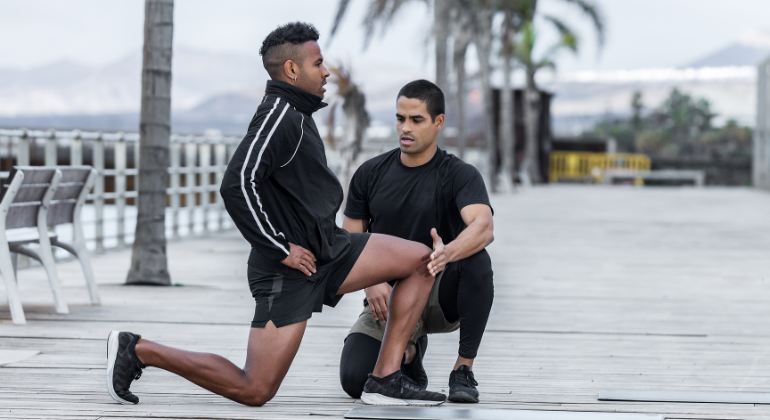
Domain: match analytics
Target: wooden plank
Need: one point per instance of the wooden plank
(595, 288)
(684, 396)
(420, 413)
(13, 356)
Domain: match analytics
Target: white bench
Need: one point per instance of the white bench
(697, 177)
(40, 197)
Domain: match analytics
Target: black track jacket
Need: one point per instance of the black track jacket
(278, 188)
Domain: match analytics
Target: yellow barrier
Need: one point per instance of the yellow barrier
(588, 166)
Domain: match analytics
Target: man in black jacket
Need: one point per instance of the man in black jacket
(283, 198)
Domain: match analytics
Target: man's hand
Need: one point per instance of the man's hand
(378, 296)
(300, 259)
(439, 258)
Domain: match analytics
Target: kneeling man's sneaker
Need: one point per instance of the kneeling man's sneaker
(398, 389)
(462, 386)
(123, 367)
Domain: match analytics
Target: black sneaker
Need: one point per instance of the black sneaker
(415, 370)
(398, 389)
(462, 386)
(122, 366)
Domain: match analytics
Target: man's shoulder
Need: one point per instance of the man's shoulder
(378, 161)
(453, 165)
(276, 110)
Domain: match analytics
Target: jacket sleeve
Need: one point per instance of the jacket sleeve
(270, 145)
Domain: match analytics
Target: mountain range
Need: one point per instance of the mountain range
(221, 90)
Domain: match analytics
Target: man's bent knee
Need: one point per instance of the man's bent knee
(256, 396)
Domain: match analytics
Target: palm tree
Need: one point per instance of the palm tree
(483, 13)
(356, 120)
(462, 31)
(381, 12)
(517, 13)
(523, 50)
(149, 264)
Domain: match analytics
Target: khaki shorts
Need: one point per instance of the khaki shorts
(432, 320)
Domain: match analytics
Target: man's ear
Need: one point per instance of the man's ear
(439, 121)
(291, 69)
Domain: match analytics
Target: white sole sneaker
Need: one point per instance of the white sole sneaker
(112, 355)
(379, 399)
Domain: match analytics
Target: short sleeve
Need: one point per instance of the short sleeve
(357, 205)
(469, 188)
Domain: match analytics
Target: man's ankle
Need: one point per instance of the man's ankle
(135, 350)
(410, 354)
(463, 361)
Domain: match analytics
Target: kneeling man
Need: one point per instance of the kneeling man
(421, 193)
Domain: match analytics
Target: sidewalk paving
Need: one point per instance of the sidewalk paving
(595, 288)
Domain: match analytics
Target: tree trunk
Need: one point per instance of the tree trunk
(460, 49)
(483, 41)
(507, 116)
(149, 264)
(441, 9)
(531, 107)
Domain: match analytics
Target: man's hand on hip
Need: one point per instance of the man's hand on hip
(300, 259)
(378, 296)
(439, 258)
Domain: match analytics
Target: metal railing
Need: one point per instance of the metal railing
(197, 165)
(588, 166)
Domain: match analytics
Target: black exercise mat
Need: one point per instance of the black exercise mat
(435, 413)
(685, 397)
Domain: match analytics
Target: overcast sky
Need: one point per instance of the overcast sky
(640, 33)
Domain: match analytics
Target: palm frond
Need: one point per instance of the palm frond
(342, 8)
(381, 12)
(568, 39)
(594, 13)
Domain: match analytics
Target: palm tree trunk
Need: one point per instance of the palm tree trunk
(531, 107)
(483, 41)
(460, 49)
(507, 116)
(441, 10)
(149, 264)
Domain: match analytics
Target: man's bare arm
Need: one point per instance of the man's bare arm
(355, 225)
(477, 235)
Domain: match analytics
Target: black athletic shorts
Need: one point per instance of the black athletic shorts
(287, 296)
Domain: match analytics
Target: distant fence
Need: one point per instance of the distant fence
(726, 172)
(197, 164)
(589, 166)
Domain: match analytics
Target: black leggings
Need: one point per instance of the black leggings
(465, 293)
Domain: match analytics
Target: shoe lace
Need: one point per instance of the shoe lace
(465, 378)
(138, 373)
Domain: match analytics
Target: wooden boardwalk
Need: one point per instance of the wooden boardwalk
(596, 288)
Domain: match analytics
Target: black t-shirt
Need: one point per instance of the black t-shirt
(408, 201)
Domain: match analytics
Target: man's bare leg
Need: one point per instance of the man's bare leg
(272, 350)
(270, 353)
(386, 258)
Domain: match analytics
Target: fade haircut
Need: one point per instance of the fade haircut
(427, 93)
(285, 43)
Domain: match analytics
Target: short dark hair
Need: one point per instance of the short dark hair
(428, 93)
(284, 43)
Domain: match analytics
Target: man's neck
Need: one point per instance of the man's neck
(413, 160)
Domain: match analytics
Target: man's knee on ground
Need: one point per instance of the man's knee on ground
(352, 380)
(359, 355)
(257, 395)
